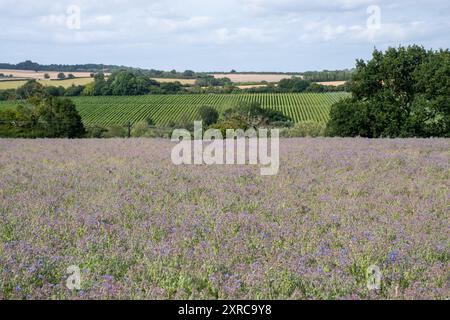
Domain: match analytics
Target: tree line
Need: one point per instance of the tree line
(326, 75)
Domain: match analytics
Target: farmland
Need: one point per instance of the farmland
(253, 77)
(14, 84)
(164, 109)
(182, 81)
(30, 74)
(332, 83)
(140, 227)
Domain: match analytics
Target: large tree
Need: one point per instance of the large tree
(403, 92)
(49, 117)
(208, 115)
(60, 118)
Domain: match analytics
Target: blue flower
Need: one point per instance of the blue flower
(393, 255)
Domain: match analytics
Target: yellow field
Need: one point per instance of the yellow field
(13, 84)
(182, 81)
(30, 74)
(250, 86)
(332, 83)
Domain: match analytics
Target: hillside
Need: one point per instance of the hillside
(166, 109)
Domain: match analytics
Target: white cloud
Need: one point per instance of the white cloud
(182, 25)
(101, 20)
(239, 35)
(267, 33)
(299, 6)
(53, 20)
(387, 32)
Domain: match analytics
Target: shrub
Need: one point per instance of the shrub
(307, 129)
(95, 132)
(115, 131)
(140, 129)
(208, 115)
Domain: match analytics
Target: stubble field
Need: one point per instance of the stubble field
(30, 74)
(253, 77)
(139, 227)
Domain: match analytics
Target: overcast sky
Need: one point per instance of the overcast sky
(207, 35)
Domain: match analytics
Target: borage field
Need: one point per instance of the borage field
(140, 227)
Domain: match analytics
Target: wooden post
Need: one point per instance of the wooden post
(129, 129)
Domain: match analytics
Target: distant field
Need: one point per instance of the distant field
(40, 74)
(164, 109)
(12, 84)
(182, 81)
(332, 83)
(253, 77)
(250, 86)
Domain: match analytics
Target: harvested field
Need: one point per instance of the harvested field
(29, 74)
(249, 86)
(13, 84)
(253, 77)
(332, 83)
(182, 81)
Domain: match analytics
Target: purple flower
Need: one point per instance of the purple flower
(392, 257)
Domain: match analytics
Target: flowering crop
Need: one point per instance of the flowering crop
(139, 227)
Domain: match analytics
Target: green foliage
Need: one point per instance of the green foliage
(74, 91)
(9, 94)
(349, 119)
(210, 81)
(327, 75)
(249, 115)
(232, 122)
(189, 74)
(294, 85)
(307, 129)
(60, 119)
(403, 92)
(254, 115)
(95, 132)
(171, 87)
(29, 89)
(184, 122)
(208, 115)
(45, 117)
(140, 129)
(54, 91)
(127, 83)
(115, 131)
